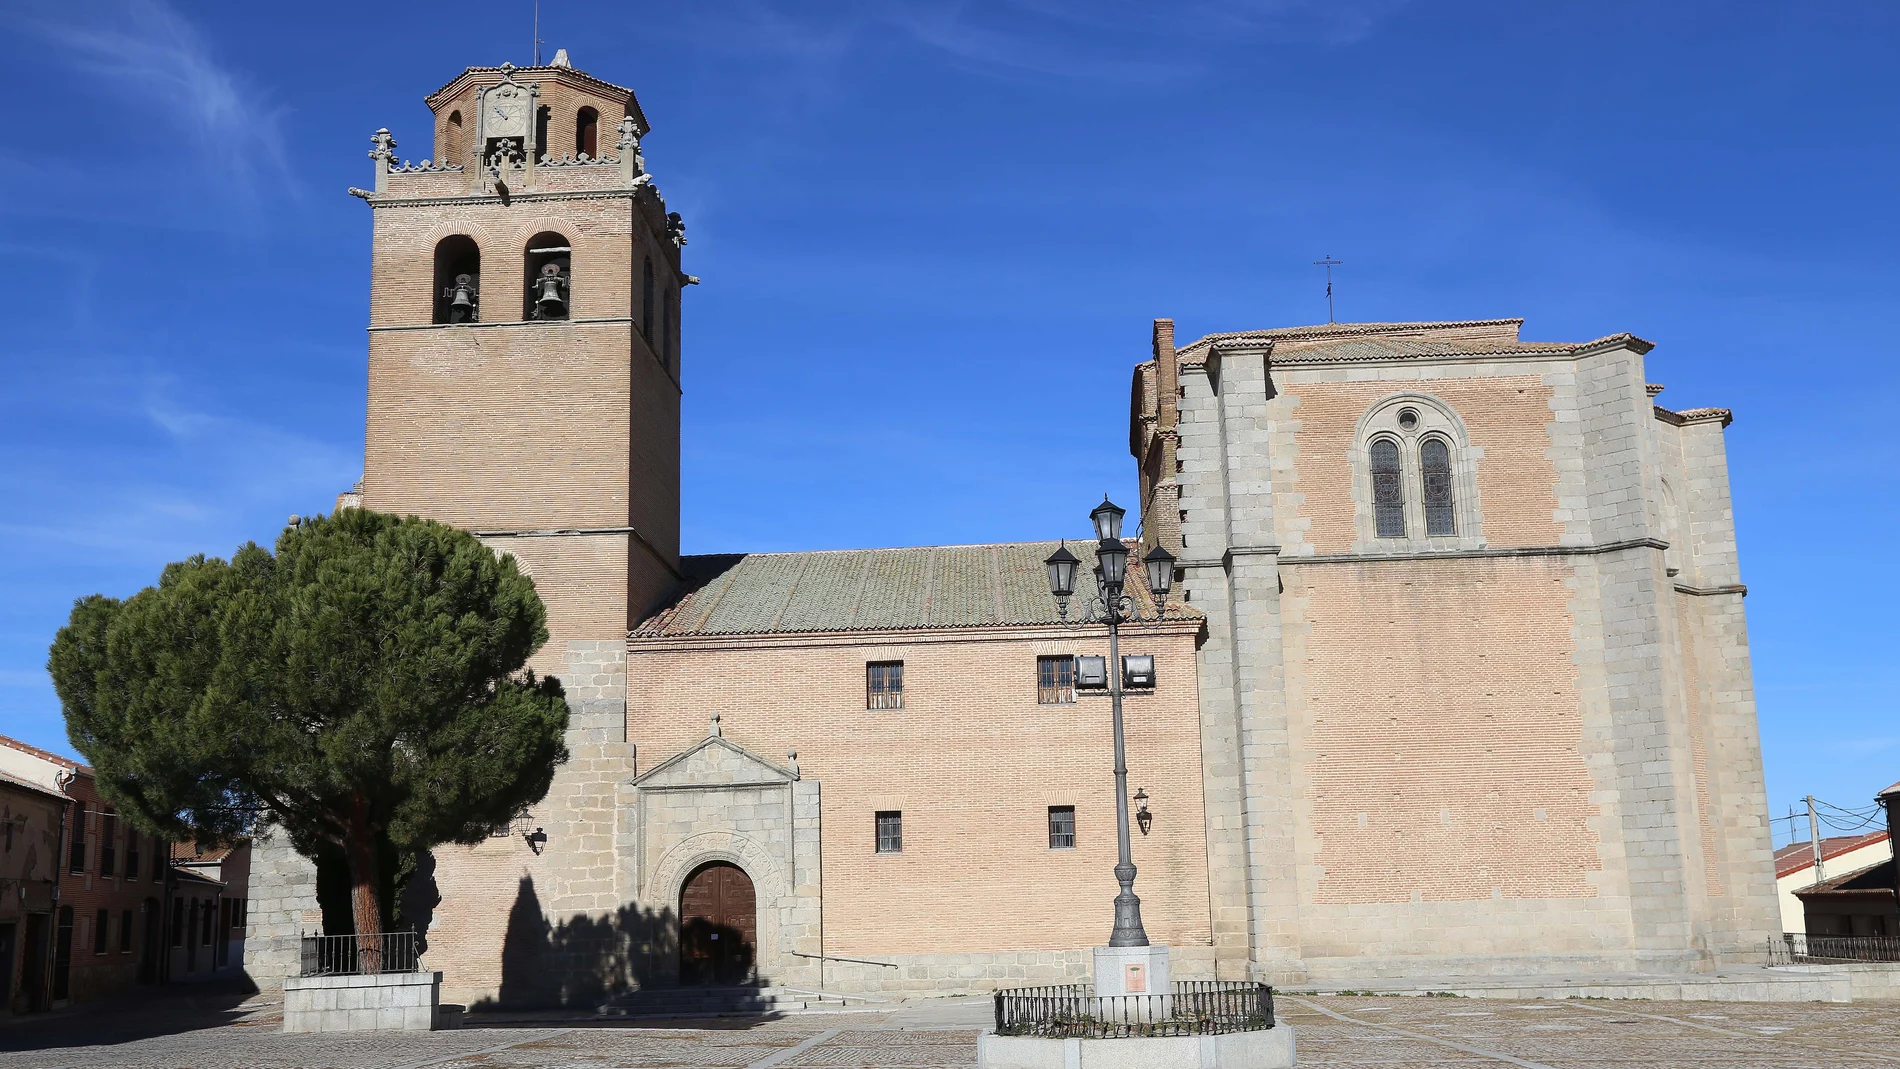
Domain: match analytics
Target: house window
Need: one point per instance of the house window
(108, 851)
(884, 685)
(132, 839)
(1061, 827)
(101, 928)
(1388, 496)
(76, 860)
(125, 931)
(1434, 462)
(1055, 680)
(890, 831)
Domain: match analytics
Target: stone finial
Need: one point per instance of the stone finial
(791, 762)
(383, 152)
(715, 731)
(560, 59)
(632, 164)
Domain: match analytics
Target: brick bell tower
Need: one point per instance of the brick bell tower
(524, 341)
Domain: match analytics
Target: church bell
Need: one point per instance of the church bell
(462, 299)
(550, 298)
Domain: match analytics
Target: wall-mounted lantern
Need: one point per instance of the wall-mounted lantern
(1142, 816)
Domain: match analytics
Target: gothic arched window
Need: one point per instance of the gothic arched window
(646, 303)
(586, 133)
(550, 276)
(1434, 463)
(1388, 493)
(458, 280)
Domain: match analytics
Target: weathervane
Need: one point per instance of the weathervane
(1329, 263)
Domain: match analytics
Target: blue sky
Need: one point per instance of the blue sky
(932, 236)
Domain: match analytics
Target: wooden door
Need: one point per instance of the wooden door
(718, 925)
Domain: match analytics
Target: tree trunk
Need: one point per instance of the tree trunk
(365, 904)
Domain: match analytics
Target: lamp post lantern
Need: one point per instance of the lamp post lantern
(1114, 607)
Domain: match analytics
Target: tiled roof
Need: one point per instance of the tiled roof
(923, 587)
(28, 785)
(45, 755)
(1876, 878)
(1349, 342)
(189, 854)
(1794, 857)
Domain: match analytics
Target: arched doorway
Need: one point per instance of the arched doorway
(718, 925)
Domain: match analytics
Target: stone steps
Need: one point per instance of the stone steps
(730, 1002)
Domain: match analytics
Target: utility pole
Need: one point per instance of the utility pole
(1814, 840)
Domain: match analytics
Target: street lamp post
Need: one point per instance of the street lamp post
(1114, 607)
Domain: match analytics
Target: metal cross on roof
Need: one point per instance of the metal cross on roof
(1329, 263)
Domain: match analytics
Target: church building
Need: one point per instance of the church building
(1453, 678)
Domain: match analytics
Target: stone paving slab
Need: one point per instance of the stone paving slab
(1371, 1032)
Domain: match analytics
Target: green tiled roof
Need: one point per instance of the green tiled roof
(924, 587)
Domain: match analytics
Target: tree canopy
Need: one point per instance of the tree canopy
(366, 679)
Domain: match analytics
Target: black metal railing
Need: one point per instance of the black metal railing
(1190, 1008)
(361, 955)
(1794, 948)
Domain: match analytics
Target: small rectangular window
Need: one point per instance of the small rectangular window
(890, 831)
(1061, 827)
(884, 685)
(132, 841)
(1055, 680)
(101, 928)
(108, 850)
(125, 931)
(76, 860)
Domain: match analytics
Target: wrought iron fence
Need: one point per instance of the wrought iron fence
(361, 955)
(1794, 948)
(1190, 1008)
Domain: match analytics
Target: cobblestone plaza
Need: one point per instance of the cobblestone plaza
(1388, 1032)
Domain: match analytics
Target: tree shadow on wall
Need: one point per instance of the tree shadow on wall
(580, 962)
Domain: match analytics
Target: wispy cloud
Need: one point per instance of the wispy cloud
(147, 53)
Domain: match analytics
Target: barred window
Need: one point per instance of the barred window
(1055, 680)
(132, 861)
(890, 831)
(1061, 827)
(1388, 495)
(1434, 460)
(884, 685)
(101, 930)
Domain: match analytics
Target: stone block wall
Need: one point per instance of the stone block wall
(283, 908)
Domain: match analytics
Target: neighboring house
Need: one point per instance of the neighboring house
(114, 883)
(208, 909)
(1859, 902)
(30, 817)
(1840, 855)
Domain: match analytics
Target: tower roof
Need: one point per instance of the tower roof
(549, 72)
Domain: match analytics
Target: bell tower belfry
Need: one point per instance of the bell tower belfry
(524, 341)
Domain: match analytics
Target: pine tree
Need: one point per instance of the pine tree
(366, 679)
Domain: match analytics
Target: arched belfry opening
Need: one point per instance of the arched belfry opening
(550, 277)
(451, 150)
(458, 280)
(587, 133)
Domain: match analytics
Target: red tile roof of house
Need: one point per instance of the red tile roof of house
(1794, 857)
(45, 755)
